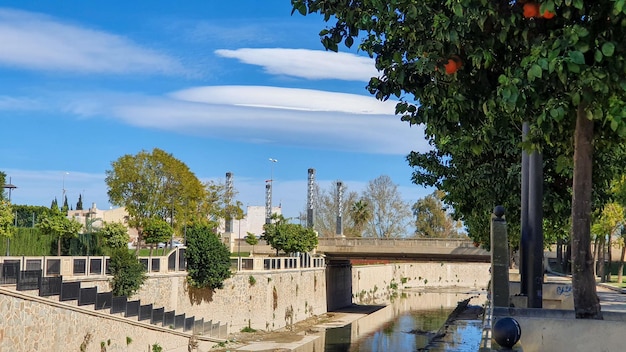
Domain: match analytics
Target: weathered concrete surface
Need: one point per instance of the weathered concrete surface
(558, 331)
(31, 323)
(371, 283)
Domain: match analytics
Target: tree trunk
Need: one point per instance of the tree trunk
(602, 259)
(559, 254)
(609, 259)
(621, 265)
(595, 256)
(59, 246)
(586, 302)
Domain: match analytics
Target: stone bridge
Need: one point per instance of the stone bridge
(414, 249)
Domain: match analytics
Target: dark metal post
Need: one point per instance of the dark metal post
(499, 259)
(534, 265)
(523, 248)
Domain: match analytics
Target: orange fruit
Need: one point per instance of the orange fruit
(531, 9)
(547, 14)
(451, 66)
(458, 61)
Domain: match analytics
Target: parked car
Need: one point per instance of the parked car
(176, 243)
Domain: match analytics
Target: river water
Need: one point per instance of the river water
(413, 322)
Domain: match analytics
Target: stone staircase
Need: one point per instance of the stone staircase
(35, 282)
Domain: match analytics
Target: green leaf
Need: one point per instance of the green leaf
(577, 57)
(614, 125)
(578, 4)
(458, 10)
(349, 41)
(619, 6)
(598, 56)
(534, 72)
(608, 49)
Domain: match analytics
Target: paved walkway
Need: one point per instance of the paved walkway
(612, 299)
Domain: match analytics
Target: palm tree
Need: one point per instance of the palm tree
(361, 214)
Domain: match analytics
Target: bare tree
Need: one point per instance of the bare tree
(390, 215)
(325, 203)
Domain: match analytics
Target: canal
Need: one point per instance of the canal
(416, 320)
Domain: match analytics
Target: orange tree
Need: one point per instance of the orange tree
(559, 67)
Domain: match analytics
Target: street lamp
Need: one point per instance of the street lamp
(269, 187)
(10, 187)
(63, 189)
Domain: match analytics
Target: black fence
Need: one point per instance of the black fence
(118, 304)
(145, 312)
(157, 315)
(87, 296)
(104, 300)
(69, 291)
(168, 319)
(29, 280)
(50, 286)
(9, 271)
(132, 309)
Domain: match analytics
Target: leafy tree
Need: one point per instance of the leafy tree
(115, 235)
(361, 214)
(65, 206)
(154, 185)
(609, 222)
(29, 215)
(59, 226)
(128, 273)
(326, 206)
(290, 238)
(3, 180)
(390, 215)
(208, 259)
(432, 219)
(6, 219)
(472, 64)
(252, 240)
(79, 204)
(156, 230)
(54, 206)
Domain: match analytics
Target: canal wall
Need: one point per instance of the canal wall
(32, 323)
(373, 283)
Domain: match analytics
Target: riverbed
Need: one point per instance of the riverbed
(412, 320)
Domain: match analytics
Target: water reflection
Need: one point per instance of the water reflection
(409, 324)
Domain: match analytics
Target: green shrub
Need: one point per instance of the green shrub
(208, 259)
(128, 273)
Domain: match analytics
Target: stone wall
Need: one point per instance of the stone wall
(374, 282)
(37, 324)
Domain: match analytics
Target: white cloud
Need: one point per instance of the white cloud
(286, 98)
(39, 42)
(18, 103)
(257, 115)
(295, 117)
(305, 63)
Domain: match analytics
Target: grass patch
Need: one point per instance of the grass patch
(248, 329)
(239, 254)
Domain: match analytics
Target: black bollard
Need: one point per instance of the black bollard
(507, 332)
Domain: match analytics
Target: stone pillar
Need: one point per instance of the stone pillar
(499, 259)
(338, 284)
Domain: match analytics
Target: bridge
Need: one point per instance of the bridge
(420, 249)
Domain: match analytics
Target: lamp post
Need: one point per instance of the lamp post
(10, 187)
(63, 189)
(268, 211)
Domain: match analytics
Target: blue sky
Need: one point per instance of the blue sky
(223, 86)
